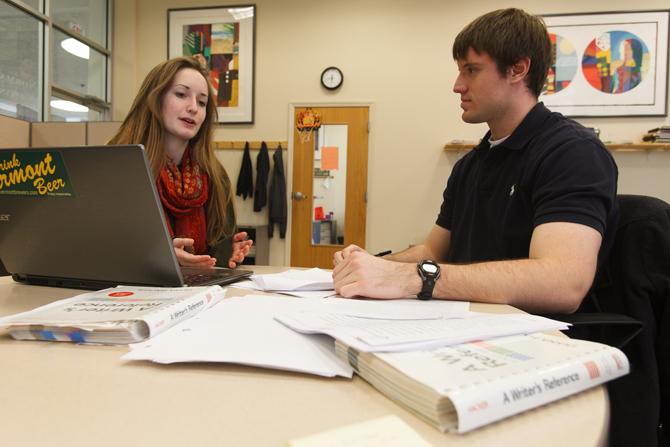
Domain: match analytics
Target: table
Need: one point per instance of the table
(61, 394)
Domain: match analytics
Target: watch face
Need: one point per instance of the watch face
(331, 78)
(429, 268)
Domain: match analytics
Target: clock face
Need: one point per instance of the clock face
(332, 78)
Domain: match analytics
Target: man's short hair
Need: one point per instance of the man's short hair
(507, 36)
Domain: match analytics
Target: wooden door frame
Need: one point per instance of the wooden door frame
(289, 162)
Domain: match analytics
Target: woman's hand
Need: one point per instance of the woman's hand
(241, 247)
(183, 247)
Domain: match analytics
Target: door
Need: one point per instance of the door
(330, 177)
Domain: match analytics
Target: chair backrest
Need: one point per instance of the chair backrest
(635, 281)
(637, 271)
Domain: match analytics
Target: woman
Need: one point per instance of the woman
(173, 116)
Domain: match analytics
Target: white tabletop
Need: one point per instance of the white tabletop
(76, 395)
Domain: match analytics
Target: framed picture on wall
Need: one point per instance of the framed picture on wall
(223, 39)
(608, 64)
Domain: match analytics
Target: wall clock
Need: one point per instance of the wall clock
(331, 78)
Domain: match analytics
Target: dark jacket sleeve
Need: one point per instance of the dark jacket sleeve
(277, 207)
(245, 181)
(262, 170)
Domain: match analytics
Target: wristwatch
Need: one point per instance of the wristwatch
(429, 271)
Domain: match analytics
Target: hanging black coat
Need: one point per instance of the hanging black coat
(245, 181)
(262, 171)
(277, 207)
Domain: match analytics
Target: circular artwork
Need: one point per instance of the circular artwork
(615, 62)
(564, 64)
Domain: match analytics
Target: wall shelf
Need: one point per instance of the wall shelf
(629, 147)
(637, 147)
(458, 147)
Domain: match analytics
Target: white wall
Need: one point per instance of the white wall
(395, 54)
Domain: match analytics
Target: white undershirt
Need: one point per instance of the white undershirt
(494, 143)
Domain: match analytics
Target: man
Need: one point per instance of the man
(529, 214)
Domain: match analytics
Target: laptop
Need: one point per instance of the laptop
(89, 217)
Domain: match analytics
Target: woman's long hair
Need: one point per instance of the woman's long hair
(144, 125)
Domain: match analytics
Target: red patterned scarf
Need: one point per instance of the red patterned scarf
(184, 191)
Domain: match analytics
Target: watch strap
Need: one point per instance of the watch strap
(426, 289)
(428, 279)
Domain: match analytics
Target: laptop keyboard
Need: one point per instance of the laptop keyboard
(194, 279)
(215, 276)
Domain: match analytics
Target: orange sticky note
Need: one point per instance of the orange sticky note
(329, 158)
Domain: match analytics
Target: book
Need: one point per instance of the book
(463, 387)
(658, 135)
(117, 315)
(660, 129)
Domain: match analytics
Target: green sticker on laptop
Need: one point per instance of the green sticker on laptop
(34, 173)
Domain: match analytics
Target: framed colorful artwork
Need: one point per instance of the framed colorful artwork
(223, 39)
(608, 64)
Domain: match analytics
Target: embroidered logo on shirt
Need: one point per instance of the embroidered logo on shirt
(511, 191)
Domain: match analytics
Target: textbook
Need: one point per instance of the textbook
(117, 315)
(463, 387)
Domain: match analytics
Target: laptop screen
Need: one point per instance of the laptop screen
(84, 214)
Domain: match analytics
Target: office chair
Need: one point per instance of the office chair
(627, 307)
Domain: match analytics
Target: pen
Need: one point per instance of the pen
(384, 253)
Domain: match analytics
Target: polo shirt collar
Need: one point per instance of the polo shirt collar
(527, 129)
(520, 137)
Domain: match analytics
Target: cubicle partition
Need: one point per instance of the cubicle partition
(72, 134)
(14, 132)
(101, 132)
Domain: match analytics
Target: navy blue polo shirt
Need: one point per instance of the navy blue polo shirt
(550, 169)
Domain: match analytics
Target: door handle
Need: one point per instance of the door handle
(298, 196)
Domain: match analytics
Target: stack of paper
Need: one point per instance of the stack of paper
(388, 431)
(312, 279)
(416, 332)
(312, 283)
(244, 330)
